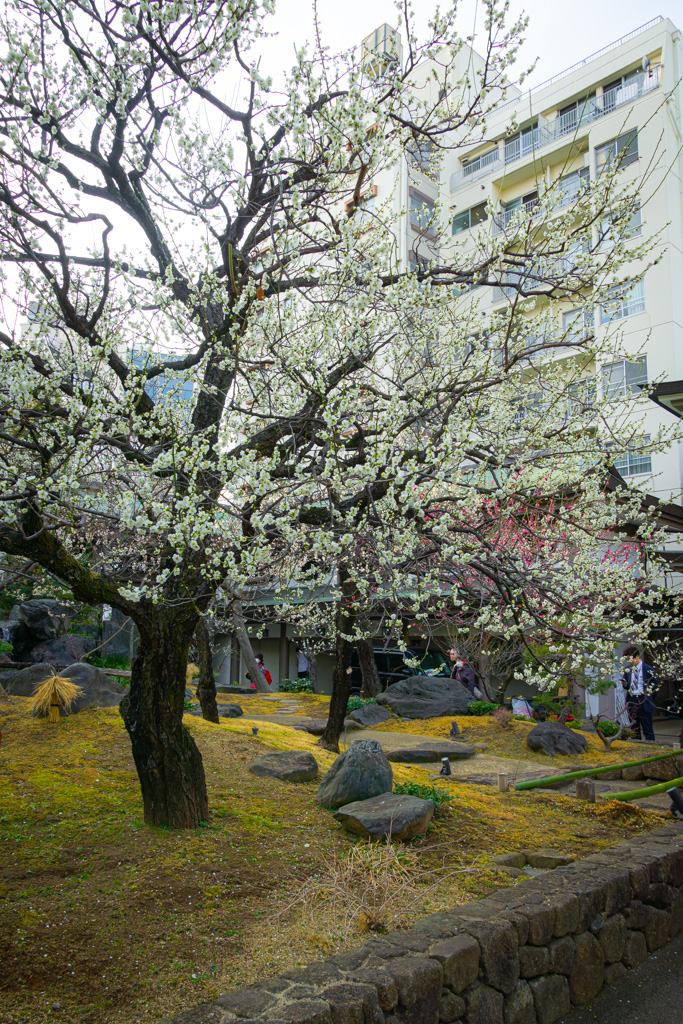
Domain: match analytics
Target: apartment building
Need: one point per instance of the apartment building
(624, 101)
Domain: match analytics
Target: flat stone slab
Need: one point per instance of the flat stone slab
(432, 752)
(288, 765)
(387, 816)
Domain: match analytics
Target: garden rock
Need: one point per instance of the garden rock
(370, 714)
(62, 651)
(426, 697)
(553, 738)
(359, 773)
(288, 765)
(46, 618)
(388, 815)
(231, 711)
(99, 690)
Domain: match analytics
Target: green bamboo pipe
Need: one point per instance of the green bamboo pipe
(637, 794)
(586, 772)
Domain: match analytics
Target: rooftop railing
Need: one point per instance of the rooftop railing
(509, 151)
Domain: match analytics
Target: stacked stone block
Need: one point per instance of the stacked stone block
(524, 955)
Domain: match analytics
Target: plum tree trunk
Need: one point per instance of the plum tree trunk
(341, 680)
(368, 668)
(206, 687)
(167, 759)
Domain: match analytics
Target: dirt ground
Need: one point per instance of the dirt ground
(105, 919)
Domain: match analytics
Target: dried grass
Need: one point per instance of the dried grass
(370, 888)
(54, 693)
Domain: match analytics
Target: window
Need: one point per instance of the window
(367, 202)
(416, 261)
(572, 185)
(577, 324)
(581, 395)
(521, 143)
(420, 153)
(634, 461)
(624, 377)
(623, 301)
(468, 218)
(524, 204)
(620, 152)
(610, 232)
(421, 211)
(575, 114)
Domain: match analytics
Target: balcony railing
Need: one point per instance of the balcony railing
(564, 125)
(504, 217)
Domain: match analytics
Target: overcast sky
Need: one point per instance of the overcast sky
(559, 34)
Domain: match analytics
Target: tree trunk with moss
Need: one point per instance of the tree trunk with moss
(168, 762)
(345, 619)
(372, 685)
(206, 687)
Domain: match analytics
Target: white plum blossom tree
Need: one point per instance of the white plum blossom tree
(228, 376)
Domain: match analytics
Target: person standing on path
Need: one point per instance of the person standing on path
(462, 672)
(640, 682)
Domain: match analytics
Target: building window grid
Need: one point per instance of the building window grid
(469, 218)
(622, 151)
(421, 211)
(624, 377)
(623, 302)
(634, 462)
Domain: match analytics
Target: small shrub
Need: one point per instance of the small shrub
(502, 716)
(296, 686)
(608, 728)
(423, 792)
(358, 702)
(109, 661)
(189, 704)
(480, 707)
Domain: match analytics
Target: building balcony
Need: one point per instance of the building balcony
(529, 142)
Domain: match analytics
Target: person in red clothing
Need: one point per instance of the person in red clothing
(266, 673)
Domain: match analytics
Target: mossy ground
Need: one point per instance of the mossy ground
(509, 741)
(104, 919)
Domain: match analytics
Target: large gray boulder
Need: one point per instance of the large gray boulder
(387, 816)
(99, 690)
(370, 714)
(554, 738)
(288, 765)
(433, 751)
(359, 773)
(62, 651)
(426, 697)
(45, 618)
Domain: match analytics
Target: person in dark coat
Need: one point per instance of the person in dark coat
(640, 683)
(462, 672)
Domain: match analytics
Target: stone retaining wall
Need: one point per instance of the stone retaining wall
(524, 955)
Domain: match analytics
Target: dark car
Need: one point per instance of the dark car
(391, 665)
